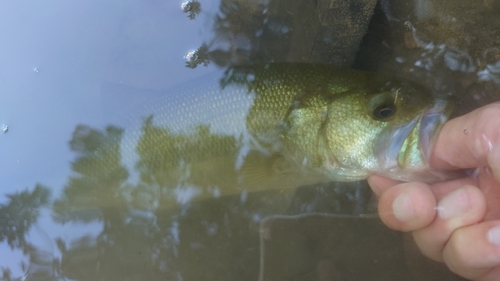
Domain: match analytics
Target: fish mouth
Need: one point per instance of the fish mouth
(405, 150)
(431, 123)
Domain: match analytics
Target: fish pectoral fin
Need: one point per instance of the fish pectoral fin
(259, 170)
(277, 171)
(279, 165)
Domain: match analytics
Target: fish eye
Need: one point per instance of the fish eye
(384, 111)
(382, 106)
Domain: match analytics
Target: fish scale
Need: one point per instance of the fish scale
(281, 126)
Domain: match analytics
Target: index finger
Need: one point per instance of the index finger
(467, 141)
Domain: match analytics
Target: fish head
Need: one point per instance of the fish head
(403, 147)
(352, 133)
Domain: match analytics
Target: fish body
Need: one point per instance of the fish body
(281, 125)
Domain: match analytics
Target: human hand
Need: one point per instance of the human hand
(457, 221)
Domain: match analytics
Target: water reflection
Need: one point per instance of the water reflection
(197, 57)
(450, 48)
(192, 8)
(19, 214)
(97, 185)
(428, 41)
(143, 236)
(214, 192)
(17, 217)
(156, 226)
(250, 32)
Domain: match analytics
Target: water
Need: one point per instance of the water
(61, 220)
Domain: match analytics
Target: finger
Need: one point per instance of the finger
(380, 184)
(474, 251)
(407, 206)
(400, 219)
(442, 189)
(491, 190)
(465, 141)
(462, 207)
(494, 160)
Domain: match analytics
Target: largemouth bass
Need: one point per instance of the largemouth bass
(285, 125)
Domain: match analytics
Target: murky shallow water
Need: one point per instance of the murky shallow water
(69, 70)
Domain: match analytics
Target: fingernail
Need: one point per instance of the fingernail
(403, 207)
(454, 205)
(494, 235)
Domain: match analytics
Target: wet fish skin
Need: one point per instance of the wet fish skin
(331, 123)
(347, 129)
(269, 125)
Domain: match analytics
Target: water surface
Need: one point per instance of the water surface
(73, 75)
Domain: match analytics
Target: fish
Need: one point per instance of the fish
(284, 125)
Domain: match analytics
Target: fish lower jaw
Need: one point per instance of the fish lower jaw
(416, 149)
(410, 155)
(404, 152)
(412, 162)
